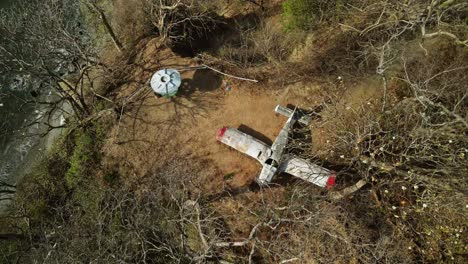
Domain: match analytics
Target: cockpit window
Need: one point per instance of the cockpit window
(272, 163)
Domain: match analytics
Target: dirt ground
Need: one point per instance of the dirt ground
(158, 130)
(163, 129)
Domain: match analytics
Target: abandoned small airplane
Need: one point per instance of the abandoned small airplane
(271, 157)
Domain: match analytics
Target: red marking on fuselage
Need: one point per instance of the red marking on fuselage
(331, 181)
(221, 133)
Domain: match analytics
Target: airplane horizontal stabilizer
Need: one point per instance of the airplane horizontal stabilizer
(305, 120)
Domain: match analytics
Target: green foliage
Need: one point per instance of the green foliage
(111, 178)
(82, 155)
(299, 14)
(86, 200)
(60, 182)
(229, 176)
(62, 175)
(8, 251)
(96, 29)
(44, 187)
(85, 154)
(306, 14)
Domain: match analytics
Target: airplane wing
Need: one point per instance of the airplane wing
(309, 171)
(244, 143)
(252, 147)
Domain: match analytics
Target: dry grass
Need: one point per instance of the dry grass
(130, 21)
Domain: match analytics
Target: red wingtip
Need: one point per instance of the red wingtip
(221, 133)
(331, 181)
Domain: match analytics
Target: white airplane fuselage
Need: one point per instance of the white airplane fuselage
(254, 148)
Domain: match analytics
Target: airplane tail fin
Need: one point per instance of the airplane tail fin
(305, 120)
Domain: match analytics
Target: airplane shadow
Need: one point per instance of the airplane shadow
(314, 113)
(255, 134)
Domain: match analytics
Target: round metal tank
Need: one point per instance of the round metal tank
(166, 82)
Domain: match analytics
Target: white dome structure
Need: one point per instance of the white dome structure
(166, 82)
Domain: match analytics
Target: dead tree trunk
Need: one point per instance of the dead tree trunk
(102, 16)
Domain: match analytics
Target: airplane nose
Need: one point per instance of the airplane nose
(221, 133)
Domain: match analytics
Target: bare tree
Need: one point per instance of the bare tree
(176, 20)
(94, 7)
(47, 43)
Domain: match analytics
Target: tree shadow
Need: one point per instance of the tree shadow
(203, 81)
(216, 35)
(314, 112)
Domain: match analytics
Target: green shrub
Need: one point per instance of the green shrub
(111, 178)
(229, 176)
(82, 155)
(44, 187)
(9, 251)
(85, 153)
(305, 14)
